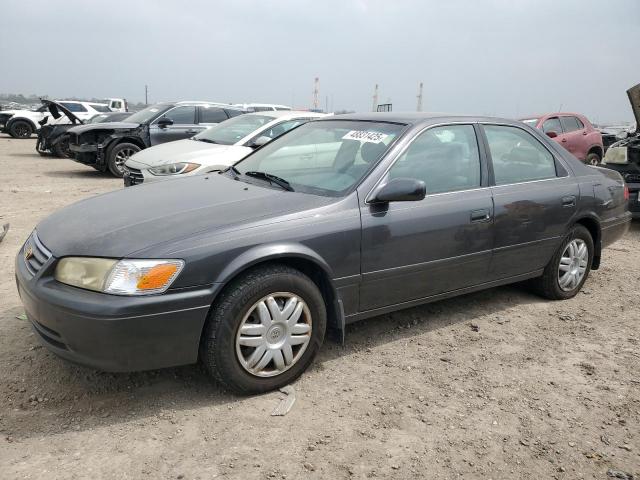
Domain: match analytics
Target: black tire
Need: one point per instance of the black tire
(218, 344)
(117, 154)
(20, 129)
(592, 159)
(548, 285)
(61, 149)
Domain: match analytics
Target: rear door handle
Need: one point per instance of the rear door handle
(481, 215)
(569, 201)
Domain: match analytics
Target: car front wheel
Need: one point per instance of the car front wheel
(569, 268)
(264, 330)
(118, 157)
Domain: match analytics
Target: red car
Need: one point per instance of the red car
(574, 132)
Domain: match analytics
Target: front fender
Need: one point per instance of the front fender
(274, 251)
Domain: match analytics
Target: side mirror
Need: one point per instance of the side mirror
(164, 122)
(260, 141)
(552, 134)
(401, 190)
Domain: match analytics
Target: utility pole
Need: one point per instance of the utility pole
(375, 99)
(146, 94)
(316, 91)
(419, 108)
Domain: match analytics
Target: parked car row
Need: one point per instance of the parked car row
(339, 219)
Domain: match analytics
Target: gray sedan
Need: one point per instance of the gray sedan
(338, 220)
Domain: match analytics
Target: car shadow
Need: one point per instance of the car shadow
(55, 396)
(80, 173)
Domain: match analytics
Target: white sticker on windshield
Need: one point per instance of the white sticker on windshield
(364, 136)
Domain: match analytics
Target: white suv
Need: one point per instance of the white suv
(23, 123)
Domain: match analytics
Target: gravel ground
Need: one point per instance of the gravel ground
(497, 384)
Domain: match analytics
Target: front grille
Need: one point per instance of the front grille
(135, 176)
(35, 254)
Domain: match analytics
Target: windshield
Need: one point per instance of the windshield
(148, 114)
(532, 122)
(326, 157)
(233, 130)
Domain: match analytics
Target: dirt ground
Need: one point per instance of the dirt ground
(494, 385)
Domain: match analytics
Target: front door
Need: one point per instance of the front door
(183, 126)
(413, 250)
(534, 199)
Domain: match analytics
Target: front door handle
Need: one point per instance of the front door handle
(481, 215)
(191, 132)
(569, 201)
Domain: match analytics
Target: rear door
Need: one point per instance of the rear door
(413, 250)
(573, 138)
(183, 126)
(534, 197)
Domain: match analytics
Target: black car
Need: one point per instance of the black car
(624, 155)
(108, 147)
(53, 137)
(338, 220)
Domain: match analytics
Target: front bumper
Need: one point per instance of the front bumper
(88, 154)
(109, 332)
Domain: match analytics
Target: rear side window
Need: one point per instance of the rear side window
(212, 115)
(552, 125)
(570, 124)
(182, 115)
(517, 156)
(74, 107)
(445, 158)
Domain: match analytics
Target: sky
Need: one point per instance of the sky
(509, 58)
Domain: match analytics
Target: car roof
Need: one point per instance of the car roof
(277, 114)
(418, 118)
(552, 114)
(200, 102)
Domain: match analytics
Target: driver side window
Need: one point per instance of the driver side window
(445, 158)
(182, 115)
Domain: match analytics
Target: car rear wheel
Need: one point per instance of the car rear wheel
(118, 157)
(20, 129)
(265, 330)
(569, 268)
(592, 159)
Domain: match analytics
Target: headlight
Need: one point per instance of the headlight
(174, 168)
(124, 277)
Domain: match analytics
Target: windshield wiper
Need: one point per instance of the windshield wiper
(206, 140)
(281, 182)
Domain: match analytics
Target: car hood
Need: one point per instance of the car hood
(102, 126)
(59, 111)
(121, 223)
(634, 98)
(189, 151)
